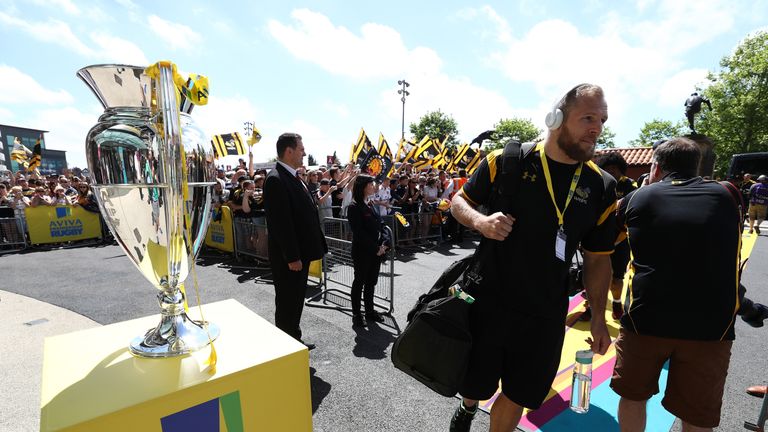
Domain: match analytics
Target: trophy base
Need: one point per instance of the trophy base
(176, 335)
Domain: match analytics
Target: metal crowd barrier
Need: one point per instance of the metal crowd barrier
(424, 230)
(338, 272)
(12, 238)
(251, 240)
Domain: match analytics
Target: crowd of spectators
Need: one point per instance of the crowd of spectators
(415, 194)
(19, 191)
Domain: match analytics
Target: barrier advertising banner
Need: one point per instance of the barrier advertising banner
(220, 234)
(61, 224)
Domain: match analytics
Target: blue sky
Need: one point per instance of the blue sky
(326, 68)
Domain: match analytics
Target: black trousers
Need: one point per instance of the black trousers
(290, 288)
(366, 275)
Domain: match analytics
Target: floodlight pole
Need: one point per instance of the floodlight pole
(248, 127)
(404, 93)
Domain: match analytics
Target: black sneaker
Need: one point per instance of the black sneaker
(357, 321)
(374, 317)
(462, 419)
(757, 230)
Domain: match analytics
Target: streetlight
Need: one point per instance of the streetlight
(405, 93)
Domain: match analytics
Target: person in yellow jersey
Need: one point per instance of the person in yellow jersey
(563, 201)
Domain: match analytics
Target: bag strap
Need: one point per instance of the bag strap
(507, 183)
(504, 189)
(737, 197)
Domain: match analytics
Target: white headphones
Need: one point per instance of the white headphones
(554, 118)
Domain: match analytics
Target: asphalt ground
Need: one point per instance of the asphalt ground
(354, 385)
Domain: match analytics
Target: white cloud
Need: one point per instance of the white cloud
(6, 114)
(128, 4)
(683, 25)
(52, 31)
(115, 49)
(177, 36)
(67, 128)
(500, 30)
(64, 5)
(339, 109)
(109, 48)
(378, 52)
(635, 61)
(680, 85)
(16, 87)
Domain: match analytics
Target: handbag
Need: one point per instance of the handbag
(435, 346)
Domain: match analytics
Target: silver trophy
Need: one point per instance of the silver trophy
(152, 172)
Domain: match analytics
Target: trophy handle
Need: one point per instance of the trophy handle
(171, 149)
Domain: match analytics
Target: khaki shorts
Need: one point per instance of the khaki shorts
(757, 211)
(697, 371)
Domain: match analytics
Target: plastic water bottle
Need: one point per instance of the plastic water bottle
(581, 386)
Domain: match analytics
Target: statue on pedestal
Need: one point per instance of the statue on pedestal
(693, 106)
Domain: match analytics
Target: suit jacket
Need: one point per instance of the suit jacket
(292, 219)
(366, 225)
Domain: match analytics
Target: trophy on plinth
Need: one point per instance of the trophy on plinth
(152, 173)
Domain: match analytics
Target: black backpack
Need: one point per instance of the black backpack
(435, 345)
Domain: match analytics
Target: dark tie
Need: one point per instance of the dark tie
(298, 177)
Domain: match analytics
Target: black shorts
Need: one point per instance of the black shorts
(526, 359)
(620, 259)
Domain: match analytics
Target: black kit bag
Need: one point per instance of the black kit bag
(434, 348)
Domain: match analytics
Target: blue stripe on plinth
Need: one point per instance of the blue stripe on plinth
(199, 418)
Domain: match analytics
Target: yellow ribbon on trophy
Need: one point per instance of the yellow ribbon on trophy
(195, 89)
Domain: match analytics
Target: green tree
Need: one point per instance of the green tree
(738, 122)
(436, 124)
(606, 139)
(657, 129)
(520, 129)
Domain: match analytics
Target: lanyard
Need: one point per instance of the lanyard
(548, 178)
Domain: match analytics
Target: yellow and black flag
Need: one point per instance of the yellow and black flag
(20, 153)
(37, 157)
(386, 154)
(457, 156)
(228, 144)
(360, 148)
(405, 151)
(428, 150)
(376, 165)
(468, 159)
(441, 161)
(384, 150)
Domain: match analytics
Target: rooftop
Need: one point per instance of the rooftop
(633, 155)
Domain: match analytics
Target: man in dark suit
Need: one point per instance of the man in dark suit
(295, 237)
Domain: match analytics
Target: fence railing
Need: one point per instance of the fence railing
(339, 273)
(251, 240)
(12, 238)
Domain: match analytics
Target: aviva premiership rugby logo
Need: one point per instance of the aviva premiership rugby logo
(65, 225)
(581, 194)
(222, 414)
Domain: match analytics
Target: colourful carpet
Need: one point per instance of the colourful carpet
(554, 414)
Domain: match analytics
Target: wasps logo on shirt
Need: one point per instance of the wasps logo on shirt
(581, 194)
(527, 176)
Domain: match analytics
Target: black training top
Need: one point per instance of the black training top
(525, 274)
(624, 186)
(685, 236)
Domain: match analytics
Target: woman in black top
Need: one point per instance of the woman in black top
(366, 250)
